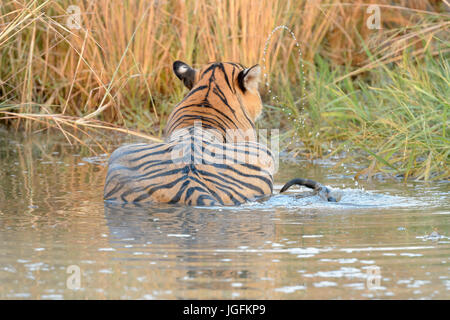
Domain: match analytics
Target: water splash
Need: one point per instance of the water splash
(300, 121)
(350, 199)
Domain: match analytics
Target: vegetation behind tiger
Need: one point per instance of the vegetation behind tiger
(376, 95)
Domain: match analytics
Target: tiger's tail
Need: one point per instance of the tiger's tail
(323, 191)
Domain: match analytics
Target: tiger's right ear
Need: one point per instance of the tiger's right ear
(185, 73)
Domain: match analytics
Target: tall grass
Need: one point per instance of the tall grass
(397, 118)
(115, 71)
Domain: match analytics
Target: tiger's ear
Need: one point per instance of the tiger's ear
(185, 73)
(248, 79)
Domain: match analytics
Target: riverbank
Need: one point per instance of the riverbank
(336, 85)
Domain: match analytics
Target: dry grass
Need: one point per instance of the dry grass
(121, 57)
(116, 70)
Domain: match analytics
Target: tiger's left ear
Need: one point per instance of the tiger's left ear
(249, 78)
(185, 73)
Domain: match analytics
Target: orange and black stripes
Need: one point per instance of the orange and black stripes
(192, 167)
(214, 101)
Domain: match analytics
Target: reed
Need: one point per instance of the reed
(115, 72)
(396, 118)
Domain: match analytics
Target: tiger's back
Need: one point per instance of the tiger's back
(210, 155)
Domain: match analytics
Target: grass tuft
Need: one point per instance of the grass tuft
(372, 94)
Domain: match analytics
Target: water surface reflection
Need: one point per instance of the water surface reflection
(52, 216)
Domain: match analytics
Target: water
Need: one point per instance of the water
(274, 98)
(384, 239)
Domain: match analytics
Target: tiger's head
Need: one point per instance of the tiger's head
(224, 83)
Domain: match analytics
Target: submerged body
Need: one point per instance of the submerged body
(178, 172)
(210, 155)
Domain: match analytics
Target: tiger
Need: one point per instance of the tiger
(210, 154)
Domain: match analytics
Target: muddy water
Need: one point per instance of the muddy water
(384, 239)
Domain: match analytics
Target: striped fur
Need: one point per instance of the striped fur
(210, 155)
